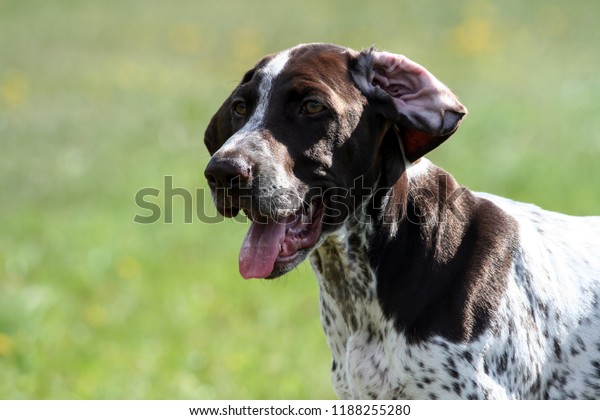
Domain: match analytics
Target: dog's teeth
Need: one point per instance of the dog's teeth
(307, 217)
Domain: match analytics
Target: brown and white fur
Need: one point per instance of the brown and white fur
(427, 290)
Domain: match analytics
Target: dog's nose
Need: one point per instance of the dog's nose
(228, 173)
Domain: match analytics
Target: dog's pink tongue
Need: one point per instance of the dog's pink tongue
(261, 248)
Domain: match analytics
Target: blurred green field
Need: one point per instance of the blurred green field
(99, 99)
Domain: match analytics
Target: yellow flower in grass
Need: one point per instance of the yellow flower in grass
(128, 268)
(14, 90)
(474, 35)
(478, 32)
(7, 345)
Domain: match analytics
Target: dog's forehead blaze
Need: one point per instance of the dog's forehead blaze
(306, 68)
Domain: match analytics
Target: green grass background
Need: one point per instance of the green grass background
(101, 98)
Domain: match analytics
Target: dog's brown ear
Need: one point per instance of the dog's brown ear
(423, 108)
(219, 129)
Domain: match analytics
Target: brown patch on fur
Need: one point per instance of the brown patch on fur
(444, 271)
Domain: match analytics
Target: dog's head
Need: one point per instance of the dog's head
(307, 133)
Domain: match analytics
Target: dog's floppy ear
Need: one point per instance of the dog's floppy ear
(423, 108)
(219, 129)
(221, 126)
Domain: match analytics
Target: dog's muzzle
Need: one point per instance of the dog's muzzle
(284, 227)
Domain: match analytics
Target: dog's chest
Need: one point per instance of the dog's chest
(370, 358)
(348, 312)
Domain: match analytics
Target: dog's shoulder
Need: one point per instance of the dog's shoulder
(452, 249)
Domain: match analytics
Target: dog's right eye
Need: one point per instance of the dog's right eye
(240, 108)
(312, 107)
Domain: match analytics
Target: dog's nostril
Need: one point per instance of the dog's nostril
(212, 181)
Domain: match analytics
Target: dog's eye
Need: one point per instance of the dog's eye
(312, 107)
(240, 108)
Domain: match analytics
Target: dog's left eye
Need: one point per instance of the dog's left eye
(312, 107)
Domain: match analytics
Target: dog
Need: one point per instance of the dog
(427, 290)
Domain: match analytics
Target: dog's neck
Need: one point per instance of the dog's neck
(413, 258)
(343, 262)
(342, 267)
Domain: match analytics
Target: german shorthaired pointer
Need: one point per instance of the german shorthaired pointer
(427, 290)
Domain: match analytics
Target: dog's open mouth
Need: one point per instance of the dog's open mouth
(272, 247)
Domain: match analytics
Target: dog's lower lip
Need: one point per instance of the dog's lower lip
(288, 258)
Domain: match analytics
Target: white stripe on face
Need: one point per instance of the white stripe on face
(268, 73)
